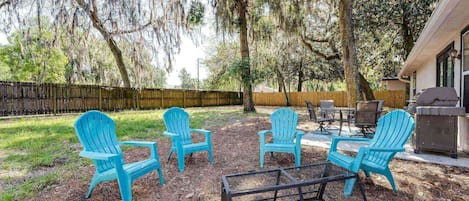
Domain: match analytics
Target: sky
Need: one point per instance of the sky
(3, 39)
(187, 58)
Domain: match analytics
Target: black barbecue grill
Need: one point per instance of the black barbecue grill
(437, 120)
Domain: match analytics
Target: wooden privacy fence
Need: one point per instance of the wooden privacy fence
(394, 99)
(20, 98)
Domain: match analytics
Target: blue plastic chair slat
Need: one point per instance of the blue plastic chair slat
(97, 133)
(177, 123)
(392, 132)
(284, 134)
(395, 140)
(95, 137)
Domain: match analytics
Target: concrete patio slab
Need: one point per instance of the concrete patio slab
(324, 141)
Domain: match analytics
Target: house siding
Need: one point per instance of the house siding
(393, 84)
(426, 74)
(426, 77)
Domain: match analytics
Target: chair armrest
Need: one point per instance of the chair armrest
(386, 149)
(262, 135)
(205, 132)
(139, 143)
(169, 134)
(299, 135)
(201, 131)
(264, 132)
(98, 156)
(351, 139)
(150, 145)
(336, 140)
(363, 151)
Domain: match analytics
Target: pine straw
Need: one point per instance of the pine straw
(236, 149)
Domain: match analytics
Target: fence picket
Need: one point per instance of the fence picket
(394, 99)
(20, 98)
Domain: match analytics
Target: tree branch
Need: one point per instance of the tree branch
(132, 30)
(316, 40)
(112, 44)
(319, 53)
(5, 3)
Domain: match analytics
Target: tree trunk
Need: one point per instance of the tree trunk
(349, 59)
(300, 76)
(281, 85)
(116, 52)
(406, 35)
(365, 88)
(248, 102)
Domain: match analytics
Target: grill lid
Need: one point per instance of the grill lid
(438, 96)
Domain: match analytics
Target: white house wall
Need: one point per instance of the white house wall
(426, 74)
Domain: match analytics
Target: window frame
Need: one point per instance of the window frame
(464, 98)
(444, 56)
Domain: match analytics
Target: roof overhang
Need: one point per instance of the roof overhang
(447, 20)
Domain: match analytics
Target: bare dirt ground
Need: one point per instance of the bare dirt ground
(236, 149)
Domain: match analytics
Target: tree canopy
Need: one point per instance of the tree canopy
(288, 45)
(307, 33)
(135, 30)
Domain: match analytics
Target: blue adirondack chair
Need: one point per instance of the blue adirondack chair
(286, 138)
(392, 132)
(97, 134)
(177, 128)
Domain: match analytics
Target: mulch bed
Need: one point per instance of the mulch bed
(236, 149)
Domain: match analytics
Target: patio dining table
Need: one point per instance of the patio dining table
(348, 110)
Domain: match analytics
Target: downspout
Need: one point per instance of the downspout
(402, 79)
(407, 81)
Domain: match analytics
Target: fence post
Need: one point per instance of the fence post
(137, 100)
(100, 98)
(162, 98)
(218, 98)
(201, 93)
(183, 98)
(54, 98)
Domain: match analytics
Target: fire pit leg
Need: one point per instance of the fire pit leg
(362, 190)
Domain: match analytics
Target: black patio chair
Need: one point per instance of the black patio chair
(321, 120)
(366, 117)
(326, 109)
(380, 108)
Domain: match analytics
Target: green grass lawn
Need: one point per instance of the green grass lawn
(50, 145)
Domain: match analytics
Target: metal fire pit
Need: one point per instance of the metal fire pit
(437, 120)
(306, 182)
